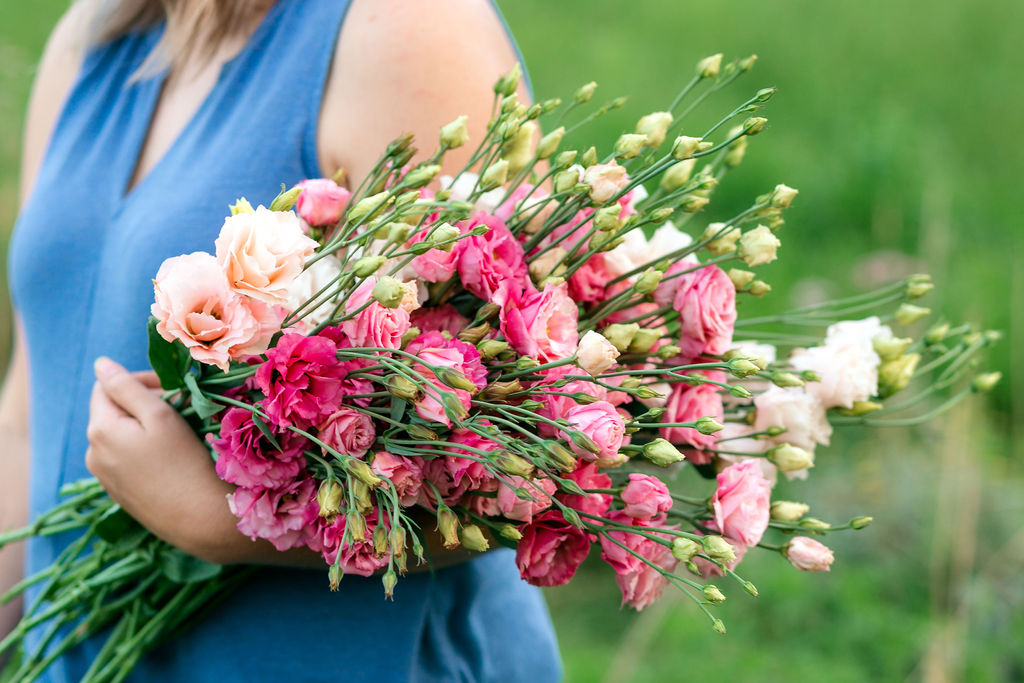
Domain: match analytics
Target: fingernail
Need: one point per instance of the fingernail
(104, 367)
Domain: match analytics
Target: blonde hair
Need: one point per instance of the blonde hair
(195, 28)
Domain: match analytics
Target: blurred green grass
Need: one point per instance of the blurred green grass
(899, 123)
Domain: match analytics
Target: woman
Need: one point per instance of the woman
(148, 133)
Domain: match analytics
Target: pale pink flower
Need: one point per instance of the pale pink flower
(322, 201)
(807, 554)
(589, 477)
(539, 492)
(263, 252)
(646, 497)
(798, 412)
(348, 431)
(539, 324)
(283, 516)
(688, 404)
(847, 363)
(403, 473)
(196, 306)
(605, 181)
(601, 422)
(595, 353)
(487, 261)
(741, 502)
(376, 325)
(706, 302)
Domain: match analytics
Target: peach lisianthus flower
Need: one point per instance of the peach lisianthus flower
(262, 253)
(196, 306)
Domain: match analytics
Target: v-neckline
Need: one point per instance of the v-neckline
(154, 93)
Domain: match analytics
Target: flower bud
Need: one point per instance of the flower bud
(895, 375)
(918, 285)
(495, 175)
(388, 292)
(719, 549)
(448, 526)
(518, 151)
(754, 125)
(565, 159)
(334, 575)
(560, 456)
(507, 84)
(490, 348)
(709, 425)
(621, 335)
(985, 382)
(643, 340)
(510, 532)
(685, 147)
(473, 335)
(648, 281)
(677, 175)
(709, 66)
(660, 215)
(455, 134)
(418, 431)
(786, 379)
(367, 207)
(758, 246)
(361, 496)
(241, 205)
(741, 367)
(787, 511)
(815, 524)
(890, 348)
(860, 522)
(737, 150)
(693, 203)
(396, 540)
(361, 471)
(713, 594)
(684, 549)
(286, 199)
(907, 314)
(329, 498)
(355, 524)
(403, 387)
(662, 453)
(473, 538)
(380, 540)
(565, 181)
(720, 239)
(513, 464)
(860, 408)
(739, 391)
(421, 175)
(390, 580)
(936, 334)
(719, 626)
(585, 92)
(807, 554)
(669, 351)
(550, 142)
(759, 288)
(740, 278)
(443, 236)
(589, 157)
(654, 126)
(629, 145)
(367, 265)
(782, 196)
(790, 458)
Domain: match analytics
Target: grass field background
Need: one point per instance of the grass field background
(900, 125)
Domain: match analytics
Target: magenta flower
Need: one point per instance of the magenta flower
(301, 380)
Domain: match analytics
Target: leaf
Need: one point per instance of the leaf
(170, 360)
(180, 567)
(397, 409)
(265, 431)
(204, 406)
(115, 524)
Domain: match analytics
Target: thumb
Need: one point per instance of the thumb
(127, 392)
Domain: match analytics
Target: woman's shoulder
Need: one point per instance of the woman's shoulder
(58, 68)
(409, 67)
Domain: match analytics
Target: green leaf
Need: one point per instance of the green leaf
(204, 406)
(180, 567)
(265, 431)
(115, 524)
(397, 409)
(170, 360)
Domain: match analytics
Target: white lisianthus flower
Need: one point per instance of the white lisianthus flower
(758, 246)
(462, 187)
(308, 283)
(847, 363)
(798, 412)
(595, 354)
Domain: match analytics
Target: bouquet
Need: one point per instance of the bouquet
(542, 352)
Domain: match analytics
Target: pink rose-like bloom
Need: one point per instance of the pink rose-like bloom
(348, 431)
(809, 555)
(643, 586)
(435, 265)
(376, 325)
(434, 350)
(301, 380)
(196, 306)
(602, 423)
(443, 318)
(605, 181)
(689, 404)
(454, 475)
(486, 261)
(358, 558)
(283, 516)
(247, 458)
(540, 324)
(512, 506)
(591, 281)
(263, 252)
(741, 502)
(646, 497)
(322, 201)
(551, 550)
(404, 473)
(706, 302)
(589, 477)
(559, 402)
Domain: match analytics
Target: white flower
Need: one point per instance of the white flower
(595, 354)
(758, 246)
(796, 411)
(847, 363)
(636, 250)
(462, 187)
(311, 281)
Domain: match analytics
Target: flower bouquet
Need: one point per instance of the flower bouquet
(526, 354)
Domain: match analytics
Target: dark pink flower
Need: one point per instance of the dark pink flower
(375, 325)
(640, 583)
(444, 318)
(688, 404)
(588, 477)
(284, 516)
(434, 350)
(558, 402)
(452, 475)
(591, 281)
(301, 379)
(539, 324)
(435, 265)
(403, 473)
(247, 458)
(602, 423)
(487, 261)
(551, 550)
(356, 558)
(539, 492)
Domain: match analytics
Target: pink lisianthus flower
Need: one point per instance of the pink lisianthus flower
(284, 516)
(357, 558)
(301, 380)
(454, 475)
(688, 404)
(195, 305)
(540, 324)
(435, 265)
(592, 281)
(587, 476)
(551, 550)
(262, 253)
(403, 473)
(706, 302)
(809, 555)
(433, 349)
(639, 583)
(321, 202)
(487, 261)
(741, 502)
(376, 325)
(246, 458)
(512, 506)
(646, 497)
(443, 318)
(605, 181)
(559, 401)
(348, 431)
(602, 423)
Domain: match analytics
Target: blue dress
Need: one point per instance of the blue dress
(81, 262)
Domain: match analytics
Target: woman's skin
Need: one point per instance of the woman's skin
(398, 67)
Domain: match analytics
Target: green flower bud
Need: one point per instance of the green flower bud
(585, 92)
(677, 175)
(719, 626)
(507, 84)
(560, 456)
(907, 314)
(494, 175)
(355, 524)
(621, 335)
(895, 375)
(403, 387)
(662, 453)
(693, 203)
(390, 580)
(789, 458)
(750, 588)
(685, 147)
(709, 425)
(421, 175)
(286, 200)
(629, 145)
(782, 196)
(455, 134)
(654, 126)
(713, 594)
(648, 281)
(668, 351)
(550, 142)
(741, 367)
(448, 526)
(985, 382)
(329, 498)
(740, 278)
(860, 408)
(754, 125)
(739, 391)
(788, 511)
(860, 522)
(380, 540)
(890, 348)
(565, 181)
(709, 66)
(813, 524)
(606, 219)
(721, 239)
(473, 538)
(734, 156)
(388, 292)
(367, 265)
(241, 205)
(334, 575)
(719, 549)
(490, 348)
(510, 532)
(361, 471)
(565, 159)
(684, 549)
(759, 288)
(936, 334)
(367, 206)
(418, 431)
(643, 340)
(786, 379)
